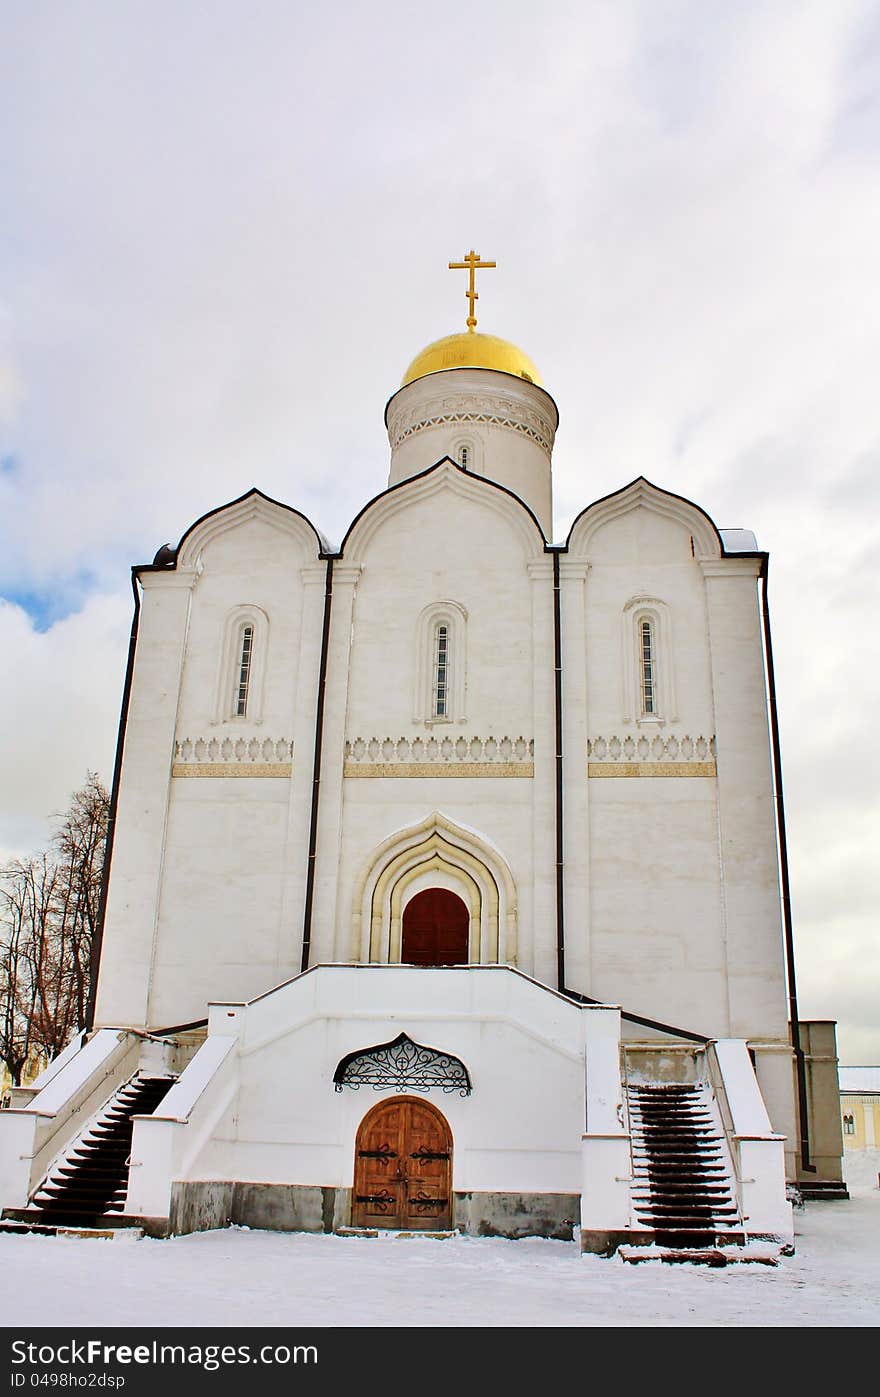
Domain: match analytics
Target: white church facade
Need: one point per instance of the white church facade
(444, 887)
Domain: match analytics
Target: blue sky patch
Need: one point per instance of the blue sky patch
(46, 605)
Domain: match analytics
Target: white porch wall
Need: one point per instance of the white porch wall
(525, 1047)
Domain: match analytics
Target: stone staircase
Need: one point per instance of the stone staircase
(88, 1187)
(683, 1196)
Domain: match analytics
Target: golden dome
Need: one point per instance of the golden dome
(472, 350)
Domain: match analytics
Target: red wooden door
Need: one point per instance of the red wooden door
(403, 1167)
(435, 929)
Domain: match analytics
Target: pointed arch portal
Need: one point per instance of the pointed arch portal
(436, 856)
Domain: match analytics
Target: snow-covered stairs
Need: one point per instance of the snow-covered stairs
(682, 1191)
(89, 1187)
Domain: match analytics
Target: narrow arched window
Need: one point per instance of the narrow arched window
(648, 662)
(464, 456)
(441, 671)
(243, 679)
(849, 1125)
(440, 668)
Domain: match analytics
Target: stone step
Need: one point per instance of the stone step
(681, 1191)
(95, 1189)
(683, 1200)
(681, 1206)
(92, 1181)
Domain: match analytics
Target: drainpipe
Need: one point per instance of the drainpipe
(316, 771)
(794, 1021)
(560, 862)
(98, 938)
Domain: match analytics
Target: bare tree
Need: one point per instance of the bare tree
(79, 846)
(15, 1026)
(48, 918)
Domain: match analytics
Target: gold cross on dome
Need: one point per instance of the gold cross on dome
(470, 263)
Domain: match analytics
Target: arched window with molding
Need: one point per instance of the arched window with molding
(849, 1125)
(648, 667)
(242, 665)
(465, 453)
(440, 663)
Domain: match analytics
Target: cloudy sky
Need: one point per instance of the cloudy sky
(224, 235)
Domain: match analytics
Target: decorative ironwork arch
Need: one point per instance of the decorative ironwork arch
(405, 1066)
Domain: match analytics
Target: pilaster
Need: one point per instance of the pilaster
(330, 941)
(576, 790)
(746, 811)
(314, 578)
(131, 925)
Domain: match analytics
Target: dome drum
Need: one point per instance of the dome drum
(512, 420)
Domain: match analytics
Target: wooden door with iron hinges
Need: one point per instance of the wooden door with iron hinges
(403, 1167)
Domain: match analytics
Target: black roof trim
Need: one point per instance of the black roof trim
(420, 475)
(168, 554)
(663, 491)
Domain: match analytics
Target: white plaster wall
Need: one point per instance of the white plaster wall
(657, 943)
(252, 564)
(652, 935)
(235, 860)
(747, 829)
(208, 873)
(220, 930)
(437, 543)
(775, 1072)
(682, 899)
(642, 553)
(671, 899)
(514, 1132)
(136, 869)
(436, 548)
(499, 808)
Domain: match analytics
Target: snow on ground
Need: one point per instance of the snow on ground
(238, 1277)
(861, 1169)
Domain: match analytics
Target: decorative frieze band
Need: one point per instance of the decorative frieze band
(470, 407)
(651, 769)
(233, 756)
(488, 419)
(439, 756)
(249, 769)
(401, 770)
(651, 756)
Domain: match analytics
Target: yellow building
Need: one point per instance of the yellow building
(36, 1064)
(860, 1107)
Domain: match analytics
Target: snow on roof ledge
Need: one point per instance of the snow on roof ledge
(859, 1079)
(738, 541)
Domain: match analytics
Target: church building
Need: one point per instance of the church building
(445, 876)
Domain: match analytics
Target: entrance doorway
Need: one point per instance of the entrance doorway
(403, 1167)
(435, 929)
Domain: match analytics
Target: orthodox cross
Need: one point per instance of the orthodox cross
(470, 263)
